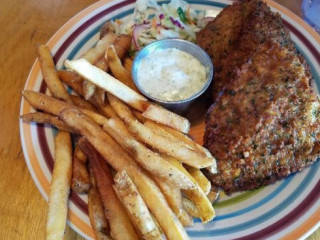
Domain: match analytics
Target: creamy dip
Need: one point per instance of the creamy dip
(171, 74)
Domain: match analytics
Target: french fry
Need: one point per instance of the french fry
(185, 218)
(40, 117)
(97, 217)
(81, 103)
(160, 130)
(120, 224)
(118, 71)
(135, 206)
(50, 75)
(197, 196)
(120, 160)
(200, 178)
(163, 144)
(202, 203)
(148, 159)
(73, 80)
(122, 44)
(108, 111)
(54, 106)
(174, 134)
(92, 56)
(80, 182)
(99, 97)
(102, 63)
(213, 195)
(213, 168)
(94, 53)
(108, 83)
(60, 187)
(174, 199)
(139, 116)
(190, 207)
(88, 89)
(172, 195)
(127, 63)
(44, 102)
(98, 118)
(163, 116)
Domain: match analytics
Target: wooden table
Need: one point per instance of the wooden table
(24, 24)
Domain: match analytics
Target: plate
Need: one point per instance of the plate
(288, 209)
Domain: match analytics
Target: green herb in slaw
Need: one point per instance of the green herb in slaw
(152, 21)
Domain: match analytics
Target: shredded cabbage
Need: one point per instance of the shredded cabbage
(152, 21)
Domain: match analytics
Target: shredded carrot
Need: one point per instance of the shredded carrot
(154, 22)
(189, 17)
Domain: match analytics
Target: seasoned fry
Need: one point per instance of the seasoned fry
(50, 75)
(98, 118)
(160, 130)
(163, 144)
(120, 160)
(102, 63)
(135, 206)
(200, 178)
(213, 195)
(120, 224)
(44, 102)
(108, 83)
(60, 187)
(40, 117)
(54, 106)
(174, 199)
(99, 97)
(120, 107)
(172, 194)
(73, 80)
(190, 207)
(197, 196)
(88, 89)
(122, 45)
(176, 135)
(148, 159)
(202, 203)
(81, 103)
(184, 138)
(80, 182)
(96, 212)
(185, 218)
(92, 56)
(162, 115)
(94, 53)
(108, 111)
(118, 71)
(127, 63)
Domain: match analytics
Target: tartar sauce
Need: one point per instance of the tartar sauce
(171, 74)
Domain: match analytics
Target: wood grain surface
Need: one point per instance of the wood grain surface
(24, 24)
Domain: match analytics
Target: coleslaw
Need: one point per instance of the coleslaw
(151, 21)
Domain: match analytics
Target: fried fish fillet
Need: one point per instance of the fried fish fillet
(265, 123)
(233, 36)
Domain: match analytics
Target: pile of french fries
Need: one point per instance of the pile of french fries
(132, 157)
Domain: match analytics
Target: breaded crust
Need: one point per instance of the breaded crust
(265, 123)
